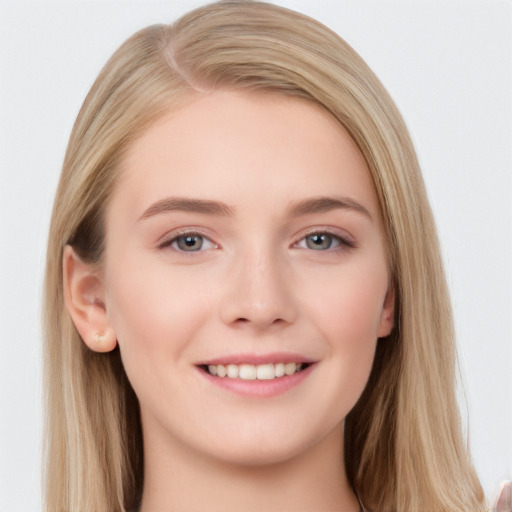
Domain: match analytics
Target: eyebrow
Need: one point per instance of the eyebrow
(326, 204)
(209, 207)
(185, 204)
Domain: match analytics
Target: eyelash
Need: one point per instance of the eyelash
(339, 241)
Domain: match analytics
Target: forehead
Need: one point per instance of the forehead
(237, 147)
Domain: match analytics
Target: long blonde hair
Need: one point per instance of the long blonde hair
(404, 447)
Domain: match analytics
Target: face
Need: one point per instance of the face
(244, 238)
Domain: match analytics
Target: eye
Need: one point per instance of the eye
(322, 241)
(189, 242)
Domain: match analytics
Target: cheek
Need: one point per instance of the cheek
(154, 313)
(348, 316)
(349, 310)
(350, 324)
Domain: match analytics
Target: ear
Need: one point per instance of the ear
(84, 296)
(387, 317)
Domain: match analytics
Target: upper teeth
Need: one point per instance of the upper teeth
(253, 372)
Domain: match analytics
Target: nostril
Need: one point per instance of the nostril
(259, 322)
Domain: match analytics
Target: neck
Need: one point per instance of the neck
(178, 479)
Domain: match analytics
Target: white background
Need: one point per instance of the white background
(447, 64)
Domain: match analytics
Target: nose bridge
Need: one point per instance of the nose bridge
(257, 290)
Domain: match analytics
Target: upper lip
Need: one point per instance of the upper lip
(257, 359)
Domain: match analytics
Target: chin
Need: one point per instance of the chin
(270, 447)
(253, 458)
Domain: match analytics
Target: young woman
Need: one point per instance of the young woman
(245, 303)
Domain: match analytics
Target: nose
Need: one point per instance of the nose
(258, 292)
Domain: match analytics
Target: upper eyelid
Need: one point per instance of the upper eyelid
(188, 230)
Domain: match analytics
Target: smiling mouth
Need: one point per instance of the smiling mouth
(254, 372)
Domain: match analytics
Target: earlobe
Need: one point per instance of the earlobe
(84, 296)
(387, 317)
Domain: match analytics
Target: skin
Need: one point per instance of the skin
(258, 285)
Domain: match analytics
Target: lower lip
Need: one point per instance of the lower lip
(259, 388)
